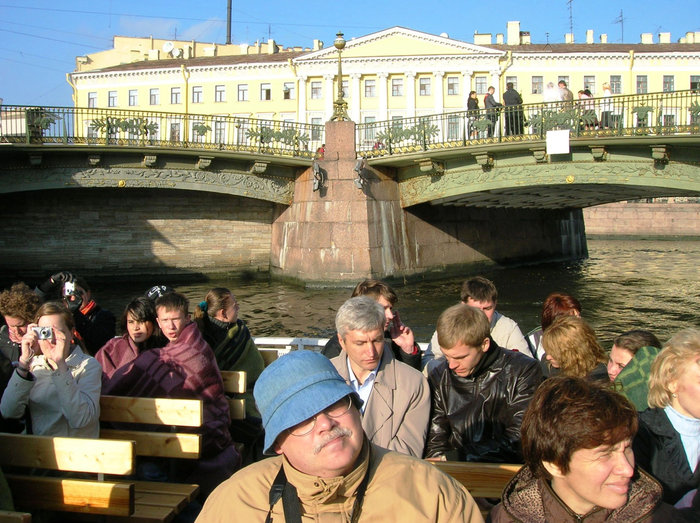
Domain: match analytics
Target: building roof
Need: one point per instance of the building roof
(596, 48)
(204, 61)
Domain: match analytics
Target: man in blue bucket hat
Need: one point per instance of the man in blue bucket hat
(325, 468)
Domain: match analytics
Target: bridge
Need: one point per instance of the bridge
(418, 180)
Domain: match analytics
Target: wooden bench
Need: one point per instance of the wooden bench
(7, 516)
(235, 383)
(21, 455)
(482, 480)
(155, 501)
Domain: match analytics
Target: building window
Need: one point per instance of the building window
(537, 84)
(615, 84)
(197, 94)
(175, 131)
(316, 90)
(452, 85)
(397, 122)
(288, 91)
(112, 99)
(196, 134)
(175, 97)
(265, 91)
(219, 131)
(346, 88)
(219, 93)
(641, 84)
(695, 82)
(453, 127)
(133, 97)
(397, 87)
(589, 83)
(316, 131)
(513, 80)
(669, 83)
(370, 88)
(370, 131)
(424, 86)
(242, 92)
(480, 84)
(154, 96)
(92, 99)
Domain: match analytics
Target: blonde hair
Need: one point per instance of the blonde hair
(670, 365)
(572, 342)
(462, 324)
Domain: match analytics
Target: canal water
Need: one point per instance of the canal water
(624, 284)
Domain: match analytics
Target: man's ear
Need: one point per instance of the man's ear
(553, 469)
(342, 342)
(485, 344)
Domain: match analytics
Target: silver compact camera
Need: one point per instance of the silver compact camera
(43, 333)
(69, 289)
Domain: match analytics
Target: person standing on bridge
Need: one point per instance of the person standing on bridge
(514, 111)
(491, 106)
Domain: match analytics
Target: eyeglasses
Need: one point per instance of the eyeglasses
(337, 410)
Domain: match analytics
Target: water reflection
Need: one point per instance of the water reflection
(624, 284)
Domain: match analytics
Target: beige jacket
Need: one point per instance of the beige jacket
(401, 488)
(398, 409)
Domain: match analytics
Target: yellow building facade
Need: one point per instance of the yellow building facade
(392, 74)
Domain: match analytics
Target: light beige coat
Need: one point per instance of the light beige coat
(398, 411)
(401, 488)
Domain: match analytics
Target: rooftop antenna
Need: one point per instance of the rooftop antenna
(571, 17)
(621, 20)
(547, 47)
(228, 22)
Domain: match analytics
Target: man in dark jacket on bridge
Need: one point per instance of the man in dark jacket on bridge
(479, 392)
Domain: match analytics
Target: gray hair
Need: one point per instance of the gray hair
(359, 313)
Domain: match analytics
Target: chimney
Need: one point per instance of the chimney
(664, 38)
(589, 36)
(604, 38)
(689, 37)
(513, 33)
(499, 38)
(482, 38)
(318, 44)
(271, 46)
(525, 38)
(569, 38)
(647, 38)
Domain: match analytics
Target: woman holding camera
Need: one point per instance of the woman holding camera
(54, 378)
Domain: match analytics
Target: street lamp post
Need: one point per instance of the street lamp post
(340, 106)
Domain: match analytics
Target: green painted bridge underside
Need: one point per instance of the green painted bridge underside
(517, 180)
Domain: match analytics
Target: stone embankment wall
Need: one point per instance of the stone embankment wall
(643, 219)
(98, 232)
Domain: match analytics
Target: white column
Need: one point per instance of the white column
(466, 87)
(383, 105)
(410, 94)
(495, 76)
(439, 96)
(495, 81)
(301, 99)
(355, 97)
(329, 93)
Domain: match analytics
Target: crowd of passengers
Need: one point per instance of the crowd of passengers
(603, 436)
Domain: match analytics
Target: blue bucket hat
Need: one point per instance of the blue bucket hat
(294, 388)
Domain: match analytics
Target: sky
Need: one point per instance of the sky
(39, 39)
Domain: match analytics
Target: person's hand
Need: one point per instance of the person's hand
(56, 281)
(57, 349)
(402, 334)
(73, 302)
(29, 347)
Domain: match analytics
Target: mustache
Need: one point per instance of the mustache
(335, 432)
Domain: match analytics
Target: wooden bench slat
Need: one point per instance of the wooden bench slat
(236, 408)
(71, 454)
(8, 516)
(187, 490)
(72, 495)
(159, 444)
(268, 355)
(152, 411)
(147, 514)
(235, 382)
(482, 480)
